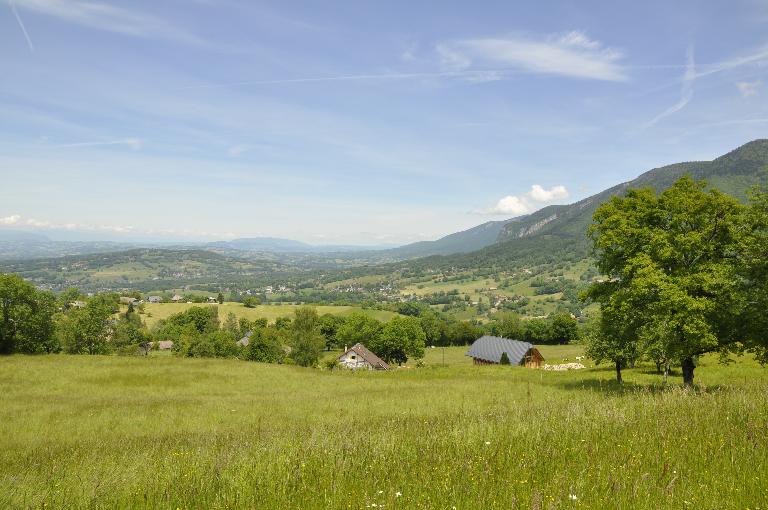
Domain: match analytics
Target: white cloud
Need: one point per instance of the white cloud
(512, 205)
(686, 91)
(110, 18)
(540, 194)
(10, 220)
(748, 88)
(529, 202)
(572, 54)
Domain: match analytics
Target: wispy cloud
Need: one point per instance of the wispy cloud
(18, 221)
(686, 92)
(516, 205)
(572, 54)
(469, 74)
(133, 143)
(110, 18)
(748, 88)
(756, 57)
(237, 150)
(21, 25)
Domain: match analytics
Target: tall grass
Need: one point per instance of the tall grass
(163, 432)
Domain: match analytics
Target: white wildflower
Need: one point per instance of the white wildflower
(398, 494)
(572, 497)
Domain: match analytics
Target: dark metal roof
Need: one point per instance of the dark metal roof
(489, 348)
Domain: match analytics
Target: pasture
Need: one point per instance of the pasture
(156, 311)
(167, 432)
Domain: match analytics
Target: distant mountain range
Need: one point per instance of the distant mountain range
(279, 245)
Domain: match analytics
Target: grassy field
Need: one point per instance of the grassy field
(156, 311)
(165, 432)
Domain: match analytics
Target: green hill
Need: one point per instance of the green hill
(142, 269)
(734, 173)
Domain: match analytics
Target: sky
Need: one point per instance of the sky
(356, 122)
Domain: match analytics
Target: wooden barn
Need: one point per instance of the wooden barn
(487, 350)
(359, 357)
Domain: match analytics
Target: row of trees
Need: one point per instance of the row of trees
(35, 322)
(686, 274)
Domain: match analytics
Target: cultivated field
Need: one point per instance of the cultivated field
(164, 432)
(155, 312)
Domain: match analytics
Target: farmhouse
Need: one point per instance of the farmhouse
(177, 299)
(127, 300)
(487, 350)
(165, 345)
(211, 300)
(154, 299)
(358, 356)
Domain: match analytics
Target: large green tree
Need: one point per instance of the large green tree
(753, 268)
(400, 338)
(88, 330)
(25, 317)
(358, 328)
(669, 260)
(306, 341)
(563, 329)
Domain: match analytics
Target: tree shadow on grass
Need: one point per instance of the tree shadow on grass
(608, 386)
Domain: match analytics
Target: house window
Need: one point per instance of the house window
(352, 357)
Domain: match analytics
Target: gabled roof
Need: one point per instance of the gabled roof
(367, 356)
(490, 348)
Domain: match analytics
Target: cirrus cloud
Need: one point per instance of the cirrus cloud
(572, 54)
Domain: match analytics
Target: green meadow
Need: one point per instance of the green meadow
(168, 432)
(156, 311)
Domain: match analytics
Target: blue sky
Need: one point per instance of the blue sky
(357, 122)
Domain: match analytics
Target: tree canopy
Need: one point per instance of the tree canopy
(672, 273)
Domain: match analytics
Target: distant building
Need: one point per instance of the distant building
(177, 299)
(359, 357)
(487, 350)
(165, 345)
(212, 299)
(126, 300)
(155, 299)
(77, 304)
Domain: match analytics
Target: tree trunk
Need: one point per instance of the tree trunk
(618, 372)
(666, 370)
(658, 366)
(688, 366)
